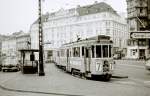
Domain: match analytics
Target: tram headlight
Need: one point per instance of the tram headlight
(106, 63)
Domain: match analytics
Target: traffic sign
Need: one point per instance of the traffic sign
(140, 34)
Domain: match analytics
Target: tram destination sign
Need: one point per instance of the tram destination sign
(140, 34)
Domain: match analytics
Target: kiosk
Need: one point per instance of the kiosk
(27, 61)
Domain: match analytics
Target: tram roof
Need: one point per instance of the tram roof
(95, 38)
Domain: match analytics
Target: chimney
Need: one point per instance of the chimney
(95, 2)
(78, 6)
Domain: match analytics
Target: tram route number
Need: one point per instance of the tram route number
(98, 66)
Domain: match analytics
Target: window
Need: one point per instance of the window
(93, 51)
(82, 50)
(105, 50)
(76, 51)
(87, 53)
(107, 31)
(129, 42)
(110, 48)
(98, 51)
(141, 10)
(142, 42)
(133, 52)
(49, 54)
(62, 53)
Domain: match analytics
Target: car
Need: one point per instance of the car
(116, 56)
(147, 64)
(10, 67)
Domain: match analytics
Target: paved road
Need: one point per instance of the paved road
(59, 83)
(135, 70)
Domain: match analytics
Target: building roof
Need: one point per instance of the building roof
(16, 35)
(23, 35)
(96, 38)
(84, 10)
(95, 8)
(44, 18)
(3, 37)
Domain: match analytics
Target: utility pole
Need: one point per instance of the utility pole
(41, 65)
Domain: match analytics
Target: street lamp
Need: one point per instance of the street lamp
(41, 68)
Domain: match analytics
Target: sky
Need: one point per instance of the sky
(17, 15)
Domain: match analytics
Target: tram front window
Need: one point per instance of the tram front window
(98, 51)
(102, 51)
(105, 50)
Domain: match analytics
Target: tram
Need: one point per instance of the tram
(89, 57)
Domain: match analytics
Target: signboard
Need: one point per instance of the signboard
(140, 34)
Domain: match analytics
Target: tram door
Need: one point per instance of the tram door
(68, 60)
(87, 58)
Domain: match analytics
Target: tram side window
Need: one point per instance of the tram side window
(62, 53)
(98, 51)
(82, 51)
(105, 50)
(76, 51)
(70, 54)
(87, 53)
(93, 51)
(67, 53)
(110, 49)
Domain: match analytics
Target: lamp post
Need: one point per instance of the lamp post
(41, 68)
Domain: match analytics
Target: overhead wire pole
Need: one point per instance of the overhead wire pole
(41, 65)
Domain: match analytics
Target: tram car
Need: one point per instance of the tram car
(89, 57)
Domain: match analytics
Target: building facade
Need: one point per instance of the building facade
(139, 24)
(23, 41)
(82, 22)
(2, 37)
(12, 45)
(9, 51)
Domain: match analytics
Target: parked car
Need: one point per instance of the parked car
(10, 67)
(117, 56)
(147, 64)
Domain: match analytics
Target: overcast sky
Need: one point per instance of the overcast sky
(16, 15)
